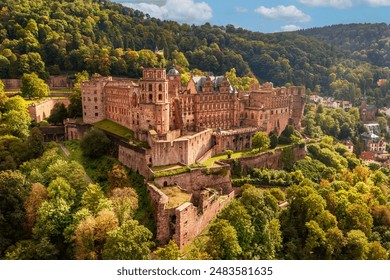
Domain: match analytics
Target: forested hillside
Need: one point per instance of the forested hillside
(367, 42)
(52, 37)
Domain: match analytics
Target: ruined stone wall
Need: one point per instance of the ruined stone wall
(298, 105)
(12, 84)
(75, 130)
(193, 182)
(184, 223)
(184, 150)
(42, 110)
(136, 159)
(163, 216)
(190, 223)
(59, 82)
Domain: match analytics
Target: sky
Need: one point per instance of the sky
(266, 16)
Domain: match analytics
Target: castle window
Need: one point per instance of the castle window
(96, 114)
(95, 99)
(95, 92)
(160, 97)
(160, 87)
(96, 107)
(150, 87)
(150, 97)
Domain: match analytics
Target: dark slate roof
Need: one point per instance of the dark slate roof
(216, 80)
(173, 72)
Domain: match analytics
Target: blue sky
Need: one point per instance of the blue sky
(266, 16)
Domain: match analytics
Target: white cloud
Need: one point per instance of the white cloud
(342, 4)
(183, 11)
(241, 10)
(290, 27)
(288, 13)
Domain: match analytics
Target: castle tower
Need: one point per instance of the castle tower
(174, 82)
(154, 100)
(93, 99)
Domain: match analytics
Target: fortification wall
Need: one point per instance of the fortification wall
(163, 216)
(12, 84)
(217, 178)
(41, 110)
(270, 160)
(136, 159)
(184, 223)
(186, 150)
(189, 223)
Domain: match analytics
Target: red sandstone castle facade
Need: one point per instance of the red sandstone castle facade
(183, 124)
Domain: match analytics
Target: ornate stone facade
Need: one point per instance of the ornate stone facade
(175, 120)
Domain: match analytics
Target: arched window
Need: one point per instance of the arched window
(160, 87)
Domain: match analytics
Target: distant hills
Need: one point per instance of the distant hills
(54, 37)
(367, 42)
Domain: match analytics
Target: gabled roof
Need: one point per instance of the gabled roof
(216, 80)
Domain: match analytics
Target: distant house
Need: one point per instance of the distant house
(315, 98)
(367, 156)
(381, 82)
(373, 143)
(367, 112)
(373, 128)
(348, 143)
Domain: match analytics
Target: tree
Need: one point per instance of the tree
(58, 114)
(239, 218)
(124, 202)
(33, 86)
(52, 218)
(168, 252)
(35, 143)
(273, 140)
(223, 241)
(130, 241)
(75, 106)
(118, 177)
(261, 141)
(37, 195)
(229, 153)
(357, 247)
(94, 143)
(17, 122)
(3, 96)
(16, 103)
(59, 188)
(94, 200)
(14, 190)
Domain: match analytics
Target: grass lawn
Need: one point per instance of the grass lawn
(165, 167)
(115, 129)
(176, 197)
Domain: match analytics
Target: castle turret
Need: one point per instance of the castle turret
(154, 100)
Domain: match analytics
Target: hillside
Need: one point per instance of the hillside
(53, 37)
(366, 42)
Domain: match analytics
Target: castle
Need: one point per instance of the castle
(186, 125)
(181, 124)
